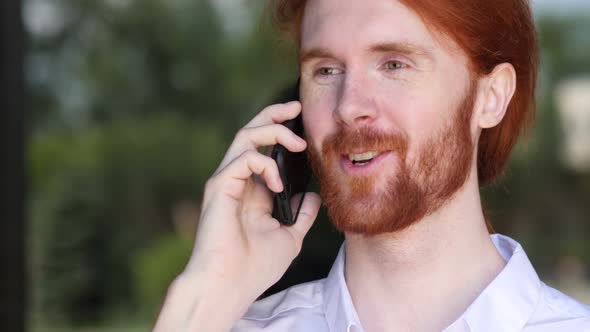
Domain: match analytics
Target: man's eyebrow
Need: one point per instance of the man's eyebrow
(314, 53)
(403, 48)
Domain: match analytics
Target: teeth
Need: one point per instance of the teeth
(363, 156)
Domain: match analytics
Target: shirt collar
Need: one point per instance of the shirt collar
(506, 304)
(509, 301)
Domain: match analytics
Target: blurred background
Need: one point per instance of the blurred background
(133, 103)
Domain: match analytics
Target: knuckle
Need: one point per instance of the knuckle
(211, 183)
(252, 158)
(209, 189)
(250, 154)
(268, 161)
(241, 134)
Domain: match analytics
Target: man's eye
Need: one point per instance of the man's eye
(327, 71)
(393, 65)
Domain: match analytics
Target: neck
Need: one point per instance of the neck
(425, 276)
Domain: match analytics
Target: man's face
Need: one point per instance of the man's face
(386, 109)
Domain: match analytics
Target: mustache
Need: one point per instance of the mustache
(364, 139)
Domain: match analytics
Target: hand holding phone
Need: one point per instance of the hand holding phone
(237, 241)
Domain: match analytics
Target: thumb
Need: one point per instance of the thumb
(307, 214)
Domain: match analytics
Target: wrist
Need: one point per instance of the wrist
(229, 279)
(218, 301)
(196, 301)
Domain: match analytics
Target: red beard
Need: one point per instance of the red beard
(418, 189)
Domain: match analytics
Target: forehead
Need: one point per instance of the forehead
(341, 24)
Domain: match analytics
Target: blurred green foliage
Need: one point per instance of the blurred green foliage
(134, 104)
(103, 195)
(156, 267)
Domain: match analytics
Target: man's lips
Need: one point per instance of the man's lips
(364, 163)
(363, 157)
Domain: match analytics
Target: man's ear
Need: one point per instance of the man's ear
(498, 89)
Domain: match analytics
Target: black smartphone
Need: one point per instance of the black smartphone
(294, 171)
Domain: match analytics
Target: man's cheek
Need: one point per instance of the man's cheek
(313, 133)
(313, 142)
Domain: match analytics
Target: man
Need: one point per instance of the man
(408, 107)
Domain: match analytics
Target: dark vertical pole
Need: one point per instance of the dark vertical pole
(12, 169)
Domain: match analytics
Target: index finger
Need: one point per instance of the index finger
(276, 113)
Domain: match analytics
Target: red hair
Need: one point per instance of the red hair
(490, 33)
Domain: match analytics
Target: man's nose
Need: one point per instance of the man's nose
(355, 105)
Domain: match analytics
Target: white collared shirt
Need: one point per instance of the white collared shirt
(516, 300)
